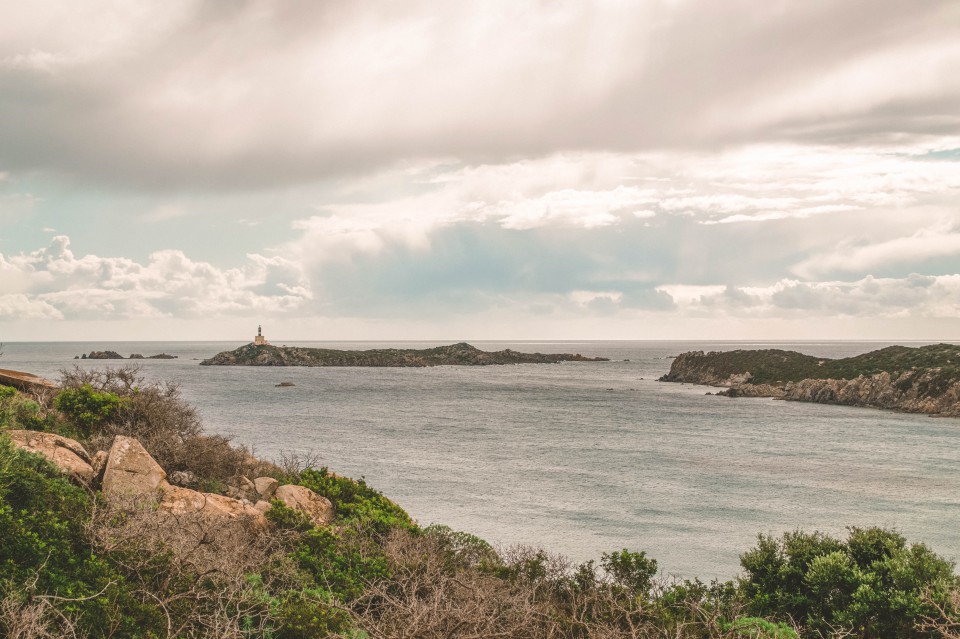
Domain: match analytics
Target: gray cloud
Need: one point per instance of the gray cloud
(246, 95)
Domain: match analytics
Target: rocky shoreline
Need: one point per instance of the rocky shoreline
(461, 354)
(906, 385)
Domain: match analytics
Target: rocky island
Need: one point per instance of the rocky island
(914, 380)
(461, 354)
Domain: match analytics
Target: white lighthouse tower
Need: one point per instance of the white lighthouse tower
(259, 340)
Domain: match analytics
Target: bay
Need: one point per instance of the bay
(580, 458)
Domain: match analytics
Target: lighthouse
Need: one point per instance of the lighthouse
(259, 340)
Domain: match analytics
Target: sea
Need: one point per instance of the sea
(579, 458)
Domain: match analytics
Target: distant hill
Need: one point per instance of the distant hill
(924, 379)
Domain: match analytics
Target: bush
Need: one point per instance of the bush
(86, 407)
(872, 585)
(356, 503)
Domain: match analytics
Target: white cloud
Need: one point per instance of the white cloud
(942, 240)
(914, 296)
(54, 283)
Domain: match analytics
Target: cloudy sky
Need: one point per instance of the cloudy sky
(507, 169)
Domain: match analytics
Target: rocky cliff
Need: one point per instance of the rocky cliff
(914, 380)
(461, 354)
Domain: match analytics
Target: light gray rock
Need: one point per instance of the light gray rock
(317, 508)
(131, 470)
(66, 454)
(266, 487)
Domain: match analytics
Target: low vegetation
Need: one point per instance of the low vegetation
(74, 565)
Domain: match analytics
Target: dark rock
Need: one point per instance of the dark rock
(104, 355)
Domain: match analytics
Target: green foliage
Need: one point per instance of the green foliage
(86, 407)
(43, 550)
(873, 584)
(340, 563)
(355, 502)
(632, 571)
(756, 628)
(772, 366)
(308, 614)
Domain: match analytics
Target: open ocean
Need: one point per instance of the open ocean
(580, 458)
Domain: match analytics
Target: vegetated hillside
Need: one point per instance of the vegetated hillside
(925, 379)
(80, 558)
(773, 366)
(461, 354)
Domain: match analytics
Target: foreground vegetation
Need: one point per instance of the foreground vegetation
(74, 564)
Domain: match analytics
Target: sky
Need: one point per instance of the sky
(501, 170)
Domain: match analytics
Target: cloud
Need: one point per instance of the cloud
(247, 95)
(54, 283)
(942, 240)
(915, 296)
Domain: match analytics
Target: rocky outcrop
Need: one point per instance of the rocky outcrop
(116, 355)
(131, 470)
(103, 355)
(461, 354)
(915, 380)
(26, 382)
(66, 454)
(910, 392)
(317, 508)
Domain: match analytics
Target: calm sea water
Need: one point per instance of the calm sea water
(581, 458)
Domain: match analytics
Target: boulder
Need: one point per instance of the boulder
(183, 501)
(317, 508)
(266, 487)
(66, 454)
(262, 506)
(131, 470)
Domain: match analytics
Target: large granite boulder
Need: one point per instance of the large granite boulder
(317, 508)
(66, 454)
(131, 471)
(183, 501)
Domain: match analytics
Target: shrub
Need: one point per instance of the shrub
(355, 502)
(872, 585)
(88, 408)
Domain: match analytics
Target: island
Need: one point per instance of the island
(922, 379)
(116, 355)
(461, 354)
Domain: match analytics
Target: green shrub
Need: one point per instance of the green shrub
(355, 502)
(86, 407)
(873, 584)
(44, 552)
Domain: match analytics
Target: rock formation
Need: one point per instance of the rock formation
(26, 382)
(317, 508)
(131, 471)
(913, 380)
(66, 454)
(461, 354)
